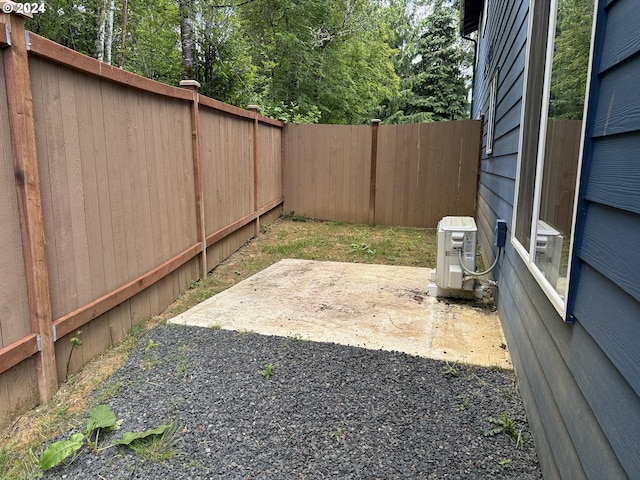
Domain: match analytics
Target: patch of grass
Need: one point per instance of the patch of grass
(182, 368)
(21, 444)
(157, 448)
(19, 466)
(215, 326)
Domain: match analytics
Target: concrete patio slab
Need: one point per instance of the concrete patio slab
(369, 306)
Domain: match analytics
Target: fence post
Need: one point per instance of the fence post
(256, 179)
(27, 181)
(374, 166)
(193, 85)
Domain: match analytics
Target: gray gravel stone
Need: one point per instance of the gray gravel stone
(328, 411)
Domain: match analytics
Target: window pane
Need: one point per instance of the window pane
(531, 126)
(562, 142)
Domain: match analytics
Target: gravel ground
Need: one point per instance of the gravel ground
(327, 411)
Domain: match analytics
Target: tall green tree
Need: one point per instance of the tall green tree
(434, 79)
(571, 59)
(151, 42)
(71, 23)
(225, 67)
(330, 56)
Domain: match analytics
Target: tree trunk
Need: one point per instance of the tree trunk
(124, 32)
(102, 20)
(109, 33)
(187, 39)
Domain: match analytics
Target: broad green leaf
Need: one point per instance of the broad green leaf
(129, 437)
(59, 451)
(101, 416)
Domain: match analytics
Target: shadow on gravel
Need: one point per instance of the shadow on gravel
(325, 411)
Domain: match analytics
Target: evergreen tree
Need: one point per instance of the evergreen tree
(571, 59)
(434, 87)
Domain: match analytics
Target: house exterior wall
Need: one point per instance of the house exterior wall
(580, 381)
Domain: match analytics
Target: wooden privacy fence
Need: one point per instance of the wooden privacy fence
(116, 192)
(562, 150)
(408, 175)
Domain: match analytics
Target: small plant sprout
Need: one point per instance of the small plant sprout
(505, 424)
(215, 326)
(505, 462)
(450, 370)
(76, 342)
(268, 370)
(338, 434)
(465, 404)
(363, 247)
(151, 345)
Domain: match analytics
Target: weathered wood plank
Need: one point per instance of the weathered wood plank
(25, 160)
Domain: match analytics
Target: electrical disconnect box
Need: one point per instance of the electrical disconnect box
(457, 241)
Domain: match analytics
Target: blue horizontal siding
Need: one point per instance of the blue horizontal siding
(507, 144)
(623, 37)
(614, 177)
(552, 358)
(503, 166)
(610, 244)
(612, 318)
(618, 107)
(501, 186)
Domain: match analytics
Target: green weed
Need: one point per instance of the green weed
(450, 369)
(268, 370)
(338, 434)
(76, 342)
(101, 419)
(505, 424)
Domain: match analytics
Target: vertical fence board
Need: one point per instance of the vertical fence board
(46, 99)
(18, 386)
(270, 174)
(560, 168)
(88, 140)
(14, 311)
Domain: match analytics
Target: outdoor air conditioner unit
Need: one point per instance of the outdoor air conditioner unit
(457, 241)
(548, 251)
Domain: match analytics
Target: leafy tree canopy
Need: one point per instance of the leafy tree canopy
(333, 61)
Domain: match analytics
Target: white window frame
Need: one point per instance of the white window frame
(528, 253)
(491, 114)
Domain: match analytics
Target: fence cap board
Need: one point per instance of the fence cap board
(57, 53)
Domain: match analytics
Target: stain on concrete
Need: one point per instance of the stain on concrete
(370, 306)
